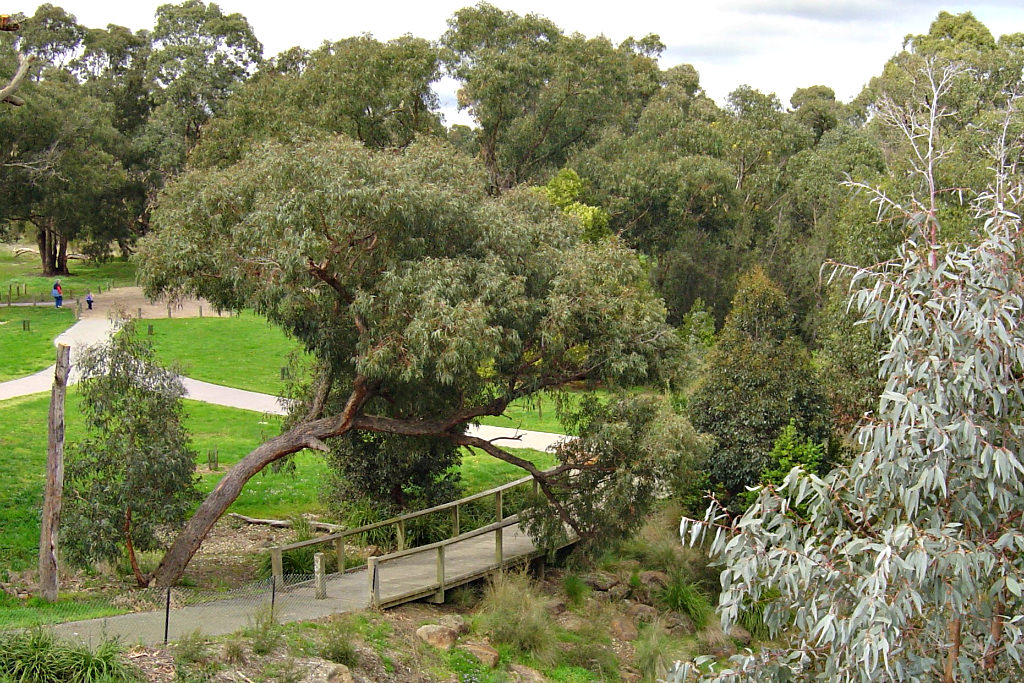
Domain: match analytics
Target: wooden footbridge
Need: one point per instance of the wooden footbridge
(408, 573)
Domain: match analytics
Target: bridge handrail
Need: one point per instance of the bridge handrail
(276, 552)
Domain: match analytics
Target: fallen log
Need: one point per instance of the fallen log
(285, 524)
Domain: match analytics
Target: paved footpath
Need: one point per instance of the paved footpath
(349, 592)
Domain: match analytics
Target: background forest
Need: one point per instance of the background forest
(627, 232)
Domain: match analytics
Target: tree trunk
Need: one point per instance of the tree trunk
(54, 478)
(53, 248)
(949, 670)
(62, 255)
(43, 242)
(140, 578)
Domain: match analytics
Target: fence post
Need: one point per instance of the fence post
(200, 311)
(339, 547)
(455, 521)
(401, 534)
(318, 577)
(498, 514)
(371, 569)
(167, 614)
(168, 310)
(439, 595)
(277, 567)
(499, 552)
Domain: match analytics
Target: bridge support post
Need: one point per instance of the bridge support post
(339, 547)
(320, 592)
(371, 569)
(499, 513)
(499, 554)
(438, 598)
(277, 567)
(400, 526)
(455, 521)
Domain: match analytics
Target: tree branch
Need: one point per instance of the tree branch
(7, 93)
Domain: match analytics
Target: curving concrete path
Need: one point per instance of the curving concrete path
(95, 330)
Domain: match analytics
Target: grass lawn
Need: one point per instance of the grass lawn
(245, 352)
(233, 432)
(23, 353)
(24, 272)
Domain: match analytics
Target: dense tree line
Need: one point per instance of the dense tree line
(438, 274)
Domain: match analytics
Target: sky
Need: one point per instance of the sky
(772, 45)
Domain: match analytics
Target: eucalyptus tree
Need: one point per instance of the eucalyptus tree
(538, 94)
(199, 57)
(907, 563)
(427, 303)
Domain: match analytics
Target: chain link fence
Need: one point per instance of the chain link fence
(157, 615)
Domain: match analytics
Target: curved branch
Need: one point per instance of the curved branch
(7, 93)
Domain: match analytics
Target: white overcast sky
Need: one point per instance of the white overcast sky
(772, 45)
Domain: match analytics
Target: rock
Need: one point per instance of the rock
(455, 622)
(740, 635)
(654, 579)
(601, 581)
(487, 655)
(641, 612)
(340, 674)
(630, 676)
(623, 628)
(441, 637)
(524, 674)
(679, 624)
(570, 621)
(556, 606)
(618, 593)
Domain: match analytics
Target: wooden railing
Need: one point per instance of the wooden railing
(338, 538)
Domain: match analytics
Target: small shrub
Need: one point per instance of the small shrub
(285, 671)
(515, 615)
(234, 651)
(576, 589)
(191, 649)
(337, 645)
(681, 595)
(594, 658)
(652, 651)
(265, 633)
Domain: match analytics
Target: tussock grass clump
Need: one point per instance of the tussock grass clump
(654, 651)
(682, 595)
(576, 589)
(265, 633)
(191, 649)
(514, 613)
(337, 644)
(40, 657)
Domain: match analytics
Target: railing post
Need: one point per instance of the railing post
(371, 570)
(499, 553)
(536, 487)
(339, 546)
(320, 592)
(277, 567)
(439, 595)
(401, 534)
(498, 515)
(455, 521)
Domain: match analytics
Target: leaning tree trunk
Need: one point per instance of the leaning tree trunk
(62, 255)
(45, 255)
(50, 523)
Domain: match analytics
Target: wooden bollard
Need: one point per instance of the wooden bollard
(168, 310)
(200, 311)
(25, 327)
(140, 314)
(150, 330)
(318, 576)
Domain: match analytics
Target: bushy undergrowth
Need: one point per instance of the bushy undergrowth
(337, 644)
(681, 595)
(38, 656)
(514, 614)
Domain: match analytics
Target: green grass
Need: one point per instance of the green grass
(233, 432)
(25, 272)
(245, 352)
(25, 352)
(16, 613)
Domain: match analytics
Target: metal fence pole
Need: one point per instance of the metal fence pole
(273, 595)
(167, 614)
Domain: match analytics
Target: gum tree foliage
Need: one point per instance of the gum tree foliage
(133, 476)
(908, 563)
(537, 93)
(426, 302)
(757, 378)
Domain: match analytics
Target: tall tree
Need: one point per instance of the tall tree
(537, 93)
(200, 56)
(428, 303)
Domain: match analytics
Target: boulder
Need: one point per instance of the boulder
(654, 579)
(740, 635)
(455, 622)
(623, 628)
(340, 674)
(524, 674)
(487, 655)
(679, 624)
(618, 593)
(601, 581)
(641, 612)
(441, 637)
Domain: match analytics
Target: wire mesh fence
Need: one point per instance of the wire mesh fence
(154, 615)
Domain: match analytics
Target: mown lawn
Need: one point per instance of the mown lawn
(245, 352)
(232, 432)
(25, 352)
(24, 272)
